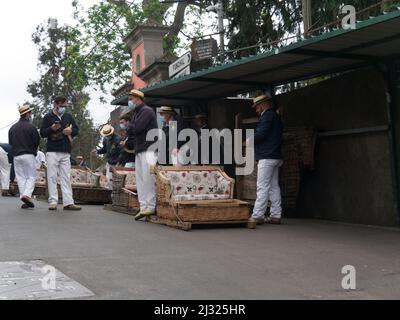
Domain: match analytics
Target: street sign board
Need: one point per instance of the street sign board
(204, 49)
(182, 73)
(180, 64)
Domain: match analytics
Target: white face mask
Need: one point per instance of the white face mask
(131, 105)
(61, 110)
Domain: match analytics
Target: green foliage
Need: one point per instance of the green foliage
(103, 27)
(255, 22)
(154, 11)
(327, 11)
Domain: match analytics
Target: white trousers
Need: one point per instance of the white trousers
(268, 189)
(25, 172)
(146, 182)
(109, 177)
(5, 169)
(59, 164)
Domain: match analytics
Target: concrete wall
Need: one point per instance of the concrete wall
(352, 179)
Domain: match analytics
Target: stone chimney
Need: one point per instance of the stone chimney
(146, 43)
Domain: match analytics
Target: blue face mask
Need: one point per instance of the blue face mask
(122, 126)
(131, 105)
(62, 110)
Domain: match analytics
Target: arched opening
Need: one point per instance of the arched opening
(137, 68)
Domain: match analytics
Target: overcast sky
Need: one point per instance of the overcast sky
(18, 55)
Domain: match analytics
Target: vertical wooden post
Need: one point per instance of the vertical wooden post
(307, 18)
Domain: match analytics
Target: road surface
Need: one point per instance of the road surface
(117, 258)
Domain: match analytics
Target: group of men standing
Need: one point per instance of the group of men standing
(132, 150)
(141, 119)
(59, 128)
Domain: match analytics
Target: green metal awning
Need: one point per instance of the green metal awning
(373, 40)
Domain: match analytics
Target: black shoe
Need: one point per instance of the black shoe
(6, 193)
(28, 202)
(24, 206)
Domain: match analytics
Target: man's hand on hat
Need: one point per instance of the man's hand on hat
(67, 131)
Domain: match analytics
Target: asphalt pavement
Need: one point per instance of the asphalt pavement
(116, 257)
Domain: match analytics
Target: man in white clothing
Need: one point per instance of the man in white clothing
(267, 143)
(144, 119)
(24, 140)
(59, 128)
(5, 171)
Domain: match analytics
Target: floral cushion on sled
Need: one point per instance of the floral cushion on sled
(196, 197)
(198, 185)
(79, 178)
(103, 182)
(41, 179)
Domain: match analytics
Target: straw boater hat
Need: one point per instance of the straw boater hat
(166, 109)
(24, 109)
(260, 99)
(107, 130)
(137, 93)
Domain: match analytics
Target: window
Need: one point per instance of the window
(137, 64)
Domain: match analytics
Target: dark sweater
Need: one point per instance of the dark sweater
(126, 157)
(268, 136)
(23, 138)
(6, 147)
(143, 120)
(56, 140)
(111, 148)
